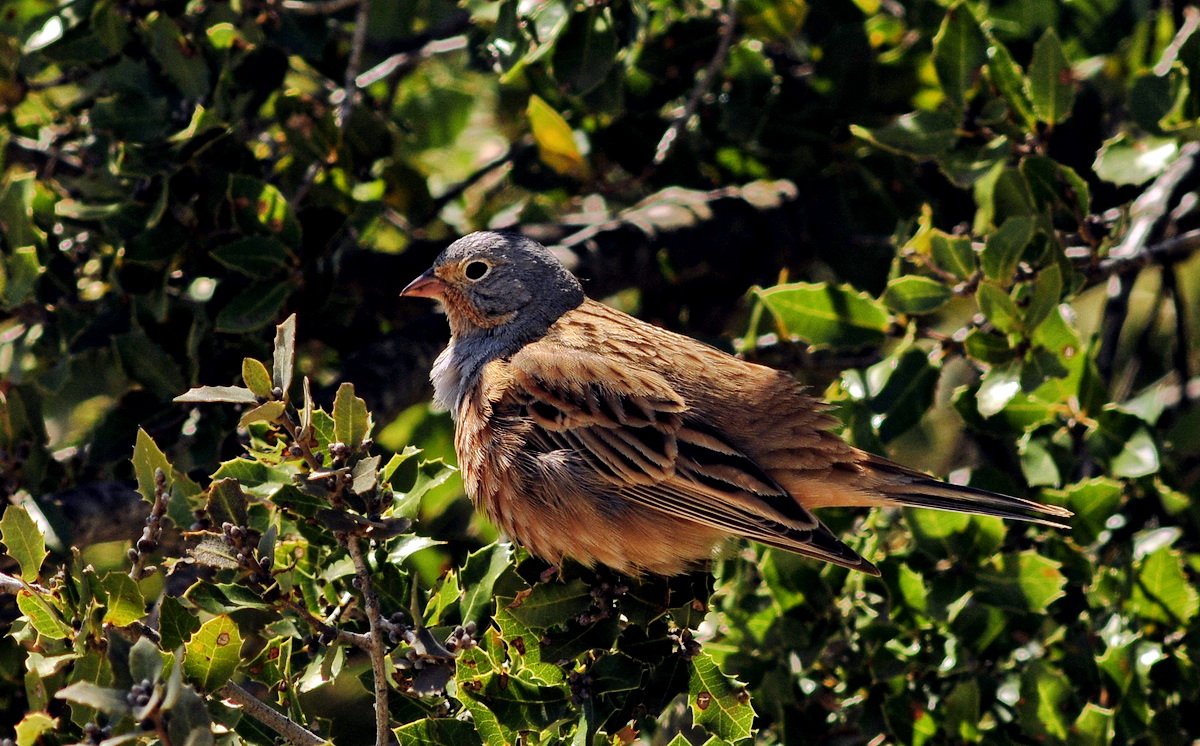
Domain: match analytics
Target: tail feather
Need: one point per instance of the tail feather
(912, 488)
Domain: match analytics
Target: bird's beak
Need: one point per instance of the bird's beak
(427, 285)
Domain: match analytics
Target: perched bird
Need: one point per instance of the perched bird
(583, 432)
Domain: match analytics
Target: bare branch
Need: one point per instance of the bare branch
(357, 42)
(318, 7)
(270, 717)
(376, 649)
(667, 143)
(149, 540)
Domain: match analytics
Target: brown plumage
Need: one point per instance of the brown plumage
(583, 432)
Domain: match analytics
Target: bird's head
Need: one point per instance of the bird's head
(491, 283)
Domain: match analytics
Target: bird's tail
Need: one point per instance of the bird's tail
(903, 486)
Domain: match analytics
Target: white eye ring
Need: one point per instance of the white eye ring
(473, 272)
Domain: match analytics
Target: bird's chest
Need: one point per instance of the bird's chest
(489, 448)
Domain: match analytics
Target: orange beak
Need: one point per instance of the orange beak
(427, 285)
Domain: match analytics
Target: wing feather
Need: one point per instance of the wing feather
(636, 431)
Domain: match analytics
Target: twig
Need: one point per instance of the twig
(1168, 251)
(667, 143)
(10, 584)
(318, 7)
(270, 717)
(1180, 355)
(455, 191)
(442, 37)
(148, 542)
(357, 42)
(353, 638)
(376, 650)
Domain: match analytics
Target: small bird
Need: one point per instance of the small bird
(585, 433)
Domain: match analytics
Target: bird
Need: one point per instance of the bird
(584, 433)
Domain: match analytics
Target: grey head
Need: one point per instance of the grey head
(500, 291)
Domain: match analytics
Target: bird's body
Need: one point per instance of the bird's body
(585, 433)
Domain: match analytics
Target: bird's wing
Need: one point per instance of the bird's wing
(637, 432)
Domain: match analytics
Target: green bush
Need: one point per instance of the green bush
(971, 226)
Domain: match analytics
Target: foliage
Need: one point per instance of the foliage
(981, 217)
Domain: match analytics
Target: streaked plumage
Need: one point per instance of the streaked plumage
(583, 432)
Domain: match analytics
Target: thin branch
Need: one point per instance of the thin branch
(270, 717)
(357, 42)
(445, 36)
(318, 7)
(152, 533)
(10, 584)
(1171, 250)
(1182, 348)
(353, 638)
(376, 650)
(455, 191)
(667, 143)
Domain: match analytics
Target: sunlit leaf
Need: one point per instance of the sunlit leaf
(211, 656)
(826, 315)
(23, 541)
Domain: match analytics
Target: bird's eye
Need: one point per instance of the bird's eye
(476, 270)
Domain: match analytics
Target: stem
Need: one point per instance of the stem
(318, 8)
(376, 649)
(357, 42)
(270, 717)
(667, 143)
(1180, 354)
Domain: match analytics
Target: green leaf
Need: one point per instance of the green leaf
(1004, 247)
(23, 541)
(999, 386)
(586, 50)
(1026, 582)
(953, 253)
(227, 394)
(908, 393)
(720, 704)
(126, 604)
(1045, 692)
(989, 348)
(1124, 441)
(147, 460)
(45, 617)
(351, 420)
(1047, 291)
(959, 53)
(175, 623)
(826, 315)
(270, 411)
(438, 732)
(212, 655)
(181, 61)
(478, 576)
(254, 256)
(19, 275)
(1094, 727)
(226, 502)
(148, 364)
(111, 701)
(256, 377)
(253, 308)
(999, 308)
(913, 294)
(29, 731)
(550, 604)
(1051, 82)
(283, 361)
(920, 134)
(1123, 160)
(261, 209)
(1010, 81)
(1161, 591)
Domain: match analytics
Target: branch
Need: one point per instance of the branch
(667, 143)
(319, 7)
(1180, 354)
(148, 542)
(446, 36)
(270, 717)
(10, 584)
(1164, 252)
(357, 42)
(376, 650)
